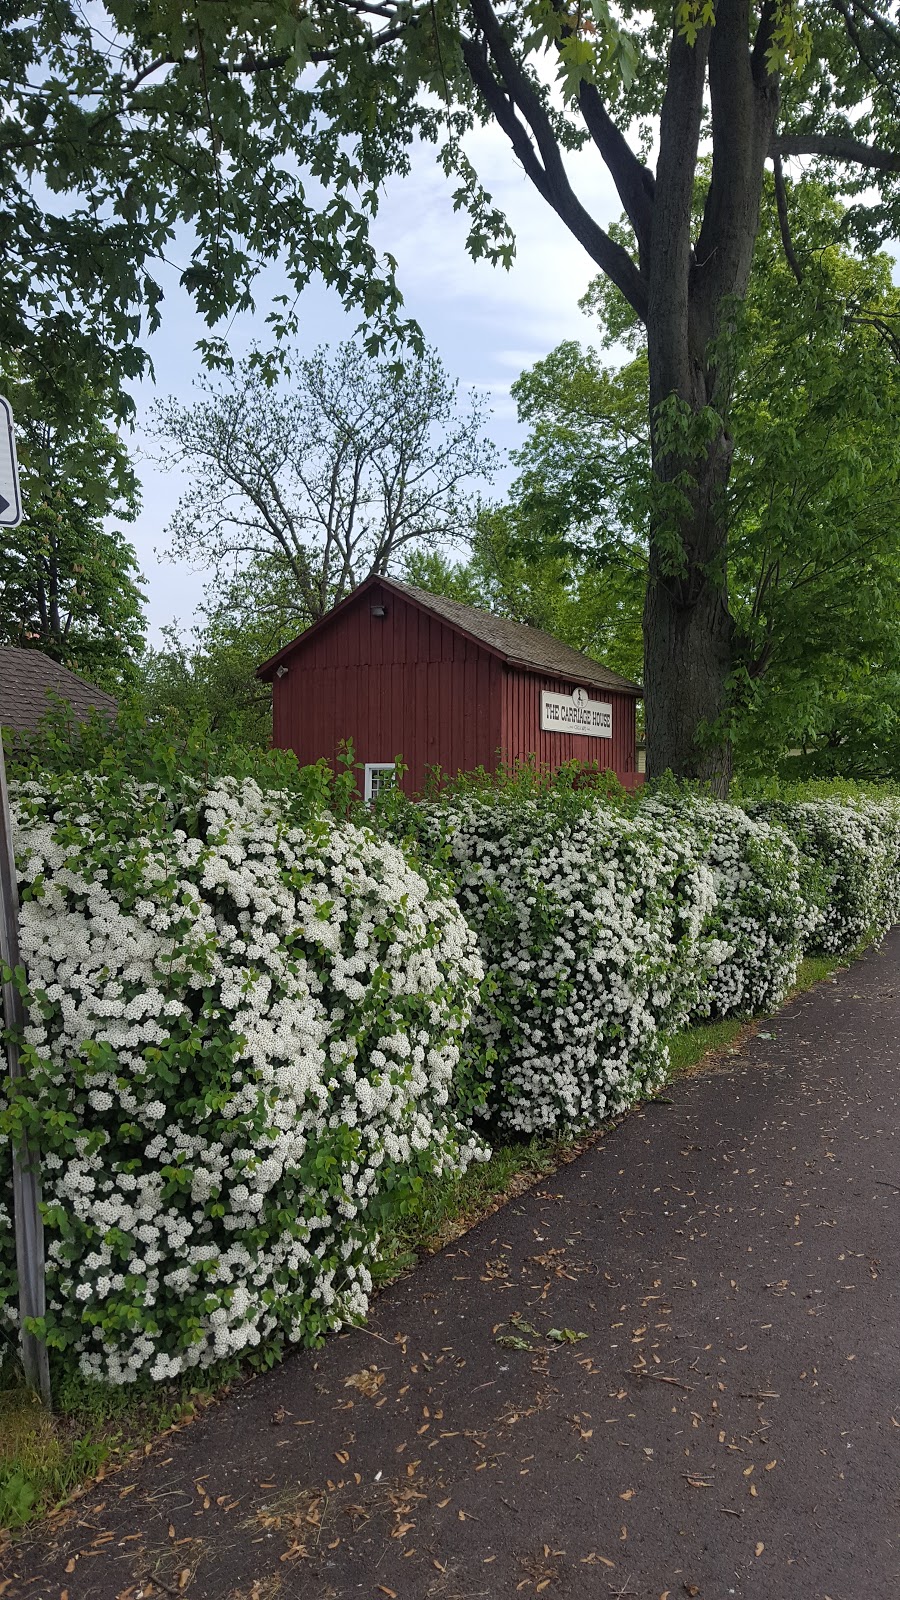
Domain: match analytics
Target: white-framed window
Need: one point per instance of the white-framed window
(380, 775)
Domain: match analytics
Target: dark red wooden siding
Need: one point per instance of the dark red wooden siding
(408, 685)
(522, 736)
(402, 685)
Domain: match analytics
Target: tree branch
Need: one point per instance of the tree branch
(634, 182)
(670, 255)
(834, 147)
(544, 165)
(503, 109)
(743, 103)
(856, 37)
(886, 27)
(784, 221)
(759, 64)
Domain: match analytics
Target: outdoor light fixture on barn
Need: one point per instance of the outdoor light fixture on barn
(404, 673)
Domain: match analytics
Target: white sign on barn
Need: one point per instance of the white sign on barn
(576, 713)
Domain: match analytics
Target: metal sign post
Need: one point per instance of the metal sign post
(29, 1223)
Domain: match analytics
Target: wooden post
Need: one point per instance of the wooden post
(29, 1224)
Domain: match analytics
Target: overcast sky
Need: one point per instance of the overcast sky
(487, 324)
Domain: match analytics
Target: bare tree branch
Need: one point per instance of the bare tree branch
(324, 481)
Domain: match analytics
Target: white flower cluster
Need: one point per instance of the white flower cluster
(603, 931)
(758, 915)
(850, 866)
(244, 1031)
(595, 932)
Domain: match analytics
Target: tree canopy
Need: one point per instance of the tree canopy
(69, 581)
(814, 492)
(239, 134)
(327, 476)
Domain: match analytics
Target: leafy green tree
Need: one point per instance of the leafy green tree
(208, 679)
(271, 131)
(69, 583)
(326, 477)
(565, 582)
(135, 136)
(814, 494)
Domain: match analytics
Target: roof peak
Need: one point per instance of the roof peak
(516, 643)
(26, 677)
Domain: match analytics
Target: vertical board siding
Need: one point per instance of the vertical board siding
(405, 685)
(408, 685)
(522, 735)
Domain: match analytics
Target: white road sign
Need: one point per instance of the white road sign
(10, 499)
(576, 713)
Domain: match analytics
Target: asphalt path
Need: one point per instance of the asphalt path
(672, 1368)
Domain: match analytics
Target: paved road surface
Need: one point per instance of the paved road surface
(722, 1417)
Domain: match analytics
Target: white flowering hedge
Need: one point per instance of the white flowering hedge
(849, 850)
(602, 931)
(758, 910)
(243, 1045)
(589, 926)
(254, 1029)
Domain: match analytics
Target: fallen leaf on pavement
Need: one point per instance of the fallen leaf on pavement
(367, 1382)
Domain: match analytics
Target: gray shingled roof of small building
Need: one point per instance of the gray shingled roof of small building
(522, 646)
(27, 678)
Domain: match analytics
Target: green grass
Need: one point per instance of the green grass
(690, 1046)
(447, 1207)
(44, 1459)
(815, 968)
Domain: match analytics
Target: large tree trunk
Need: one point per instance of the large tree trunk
(687, 625)
(687, 639)
(683, 292)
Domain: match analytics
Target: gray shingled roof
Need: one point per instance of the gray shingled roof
(27, 676)
(520, 645)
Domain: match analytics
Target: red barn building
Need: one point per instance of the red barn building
(404, 673)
